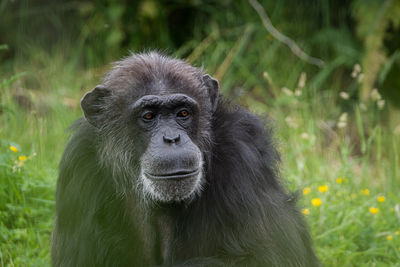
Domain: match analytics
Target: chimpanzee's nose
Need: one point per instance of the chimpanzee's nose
(169, 140)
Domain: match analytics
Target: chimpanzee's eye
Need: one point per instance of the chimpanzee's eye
(148, 116)
(183, 113)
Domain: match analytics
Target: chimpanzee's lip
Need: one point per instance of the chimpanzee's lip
(176, 175)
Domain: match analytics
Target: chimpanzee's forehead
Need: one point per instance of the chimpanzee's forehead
(153, 72)
(164, 85)
(172, 83)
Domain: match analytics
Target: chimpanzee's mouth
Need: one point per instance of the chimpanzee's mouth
(176, 175)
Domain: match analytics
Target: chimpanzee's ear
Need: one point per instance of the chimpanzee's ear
(212, 87)
(92, 104)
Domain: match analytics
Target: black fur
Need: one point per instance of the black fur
(242, 217)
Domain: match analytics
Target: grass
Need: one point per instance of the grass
(323, 150)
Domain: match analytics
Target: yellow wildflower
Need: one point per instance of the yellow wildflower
(13, 149)
(339, 180)
(373, 210)
(316, 202)
(365, 192)
(397, 233)
(389, 237)
(306, 190)
(381, 199)
(305, 211)
(323, 188)
(22, 158)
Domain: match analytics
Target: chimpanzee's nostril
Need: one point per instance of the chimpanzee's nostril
(175, 139)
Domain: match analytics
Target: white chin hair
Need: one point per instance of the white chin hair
(172, 190)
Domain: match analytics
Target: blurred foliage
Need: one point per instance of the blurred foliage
(342, 33)
(377, 22)
(335, 121)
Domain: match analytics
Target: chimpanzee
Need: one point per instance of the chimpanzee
(163, 171)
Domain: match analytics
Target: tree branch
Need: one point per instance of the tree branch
(283, 38)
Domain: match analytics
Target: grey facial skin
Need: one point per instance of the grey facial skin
(172, 165)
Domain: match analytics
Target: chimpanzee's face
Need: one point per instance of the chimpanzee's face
(171, 167)
(154, 124)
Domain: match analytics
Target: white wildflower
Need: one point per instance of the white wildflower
(342, 120)
(344, 95)
(375, 95)
(356, 70)
(302, 80)
(287, 91)
(380, 104)
(304, 136)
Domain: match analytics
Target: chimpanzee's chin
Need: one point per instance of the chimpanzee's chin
(172, 188)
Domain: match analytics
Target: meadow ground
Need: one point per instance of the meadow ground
(343, 162)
